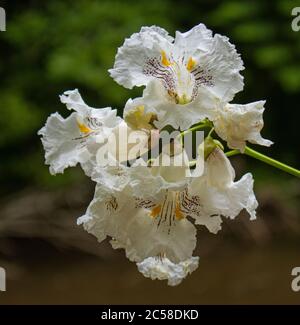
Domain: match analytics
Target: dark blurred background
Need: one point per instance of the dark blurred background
(53, 46)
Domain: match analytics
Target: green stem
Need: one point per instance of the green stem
(195, 128)
(270, 161)
(210, 132)
(232, 153)
(200, 126)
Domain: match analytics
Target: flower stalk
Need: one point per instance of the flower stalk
(197, 127)
(270, 161)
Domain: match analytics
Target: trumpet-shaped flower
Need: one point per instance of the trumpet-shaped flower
(184, 76)
(155, 232)
(67, 140)
(142, 227)
(237, 124)
(192, 60)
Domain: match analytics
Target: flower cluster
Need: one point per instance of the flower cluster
(150, 210)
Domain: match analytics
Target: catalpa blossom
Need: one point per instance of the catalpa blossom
(185, 64)
(187, 79)
(155, 231)
(143, 205)
(186, 76)
(137, 226)
(66, 140)
(237, 124)
(144, 228)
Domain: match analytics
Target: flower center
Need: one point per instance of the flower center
(181, 77)
(176, 205)
(169, 209)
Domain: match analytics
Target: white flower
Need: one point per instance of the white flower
(67, 141)
(183, 71)
(237, 124)
(193, 59)
(158, 181)
(162, 268)
(142, 227)
(155, 232)
(219, 193)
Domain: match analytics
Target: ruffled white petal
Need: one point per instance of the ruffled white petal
(73, 101)
(108, 213)
(206, 218)
(104, 116)
(61, 144)
(237, 124)
(112, 177)
(195, 41)
(229, 197)
(163, 269)
(223, 64)
(231, 201)
(94, 222)
(219, 194)
(136, 50)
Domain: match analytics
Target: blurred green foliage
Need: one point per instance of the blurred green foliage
(53, 46)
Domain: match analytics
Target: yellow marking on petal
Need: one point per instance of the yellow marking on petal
(164, 60)
(83, 128)
(155, 211)
(191, 64)
(178, 213)
(137, 119)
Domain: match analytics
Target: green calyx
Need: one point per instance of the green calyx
(209, 145)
